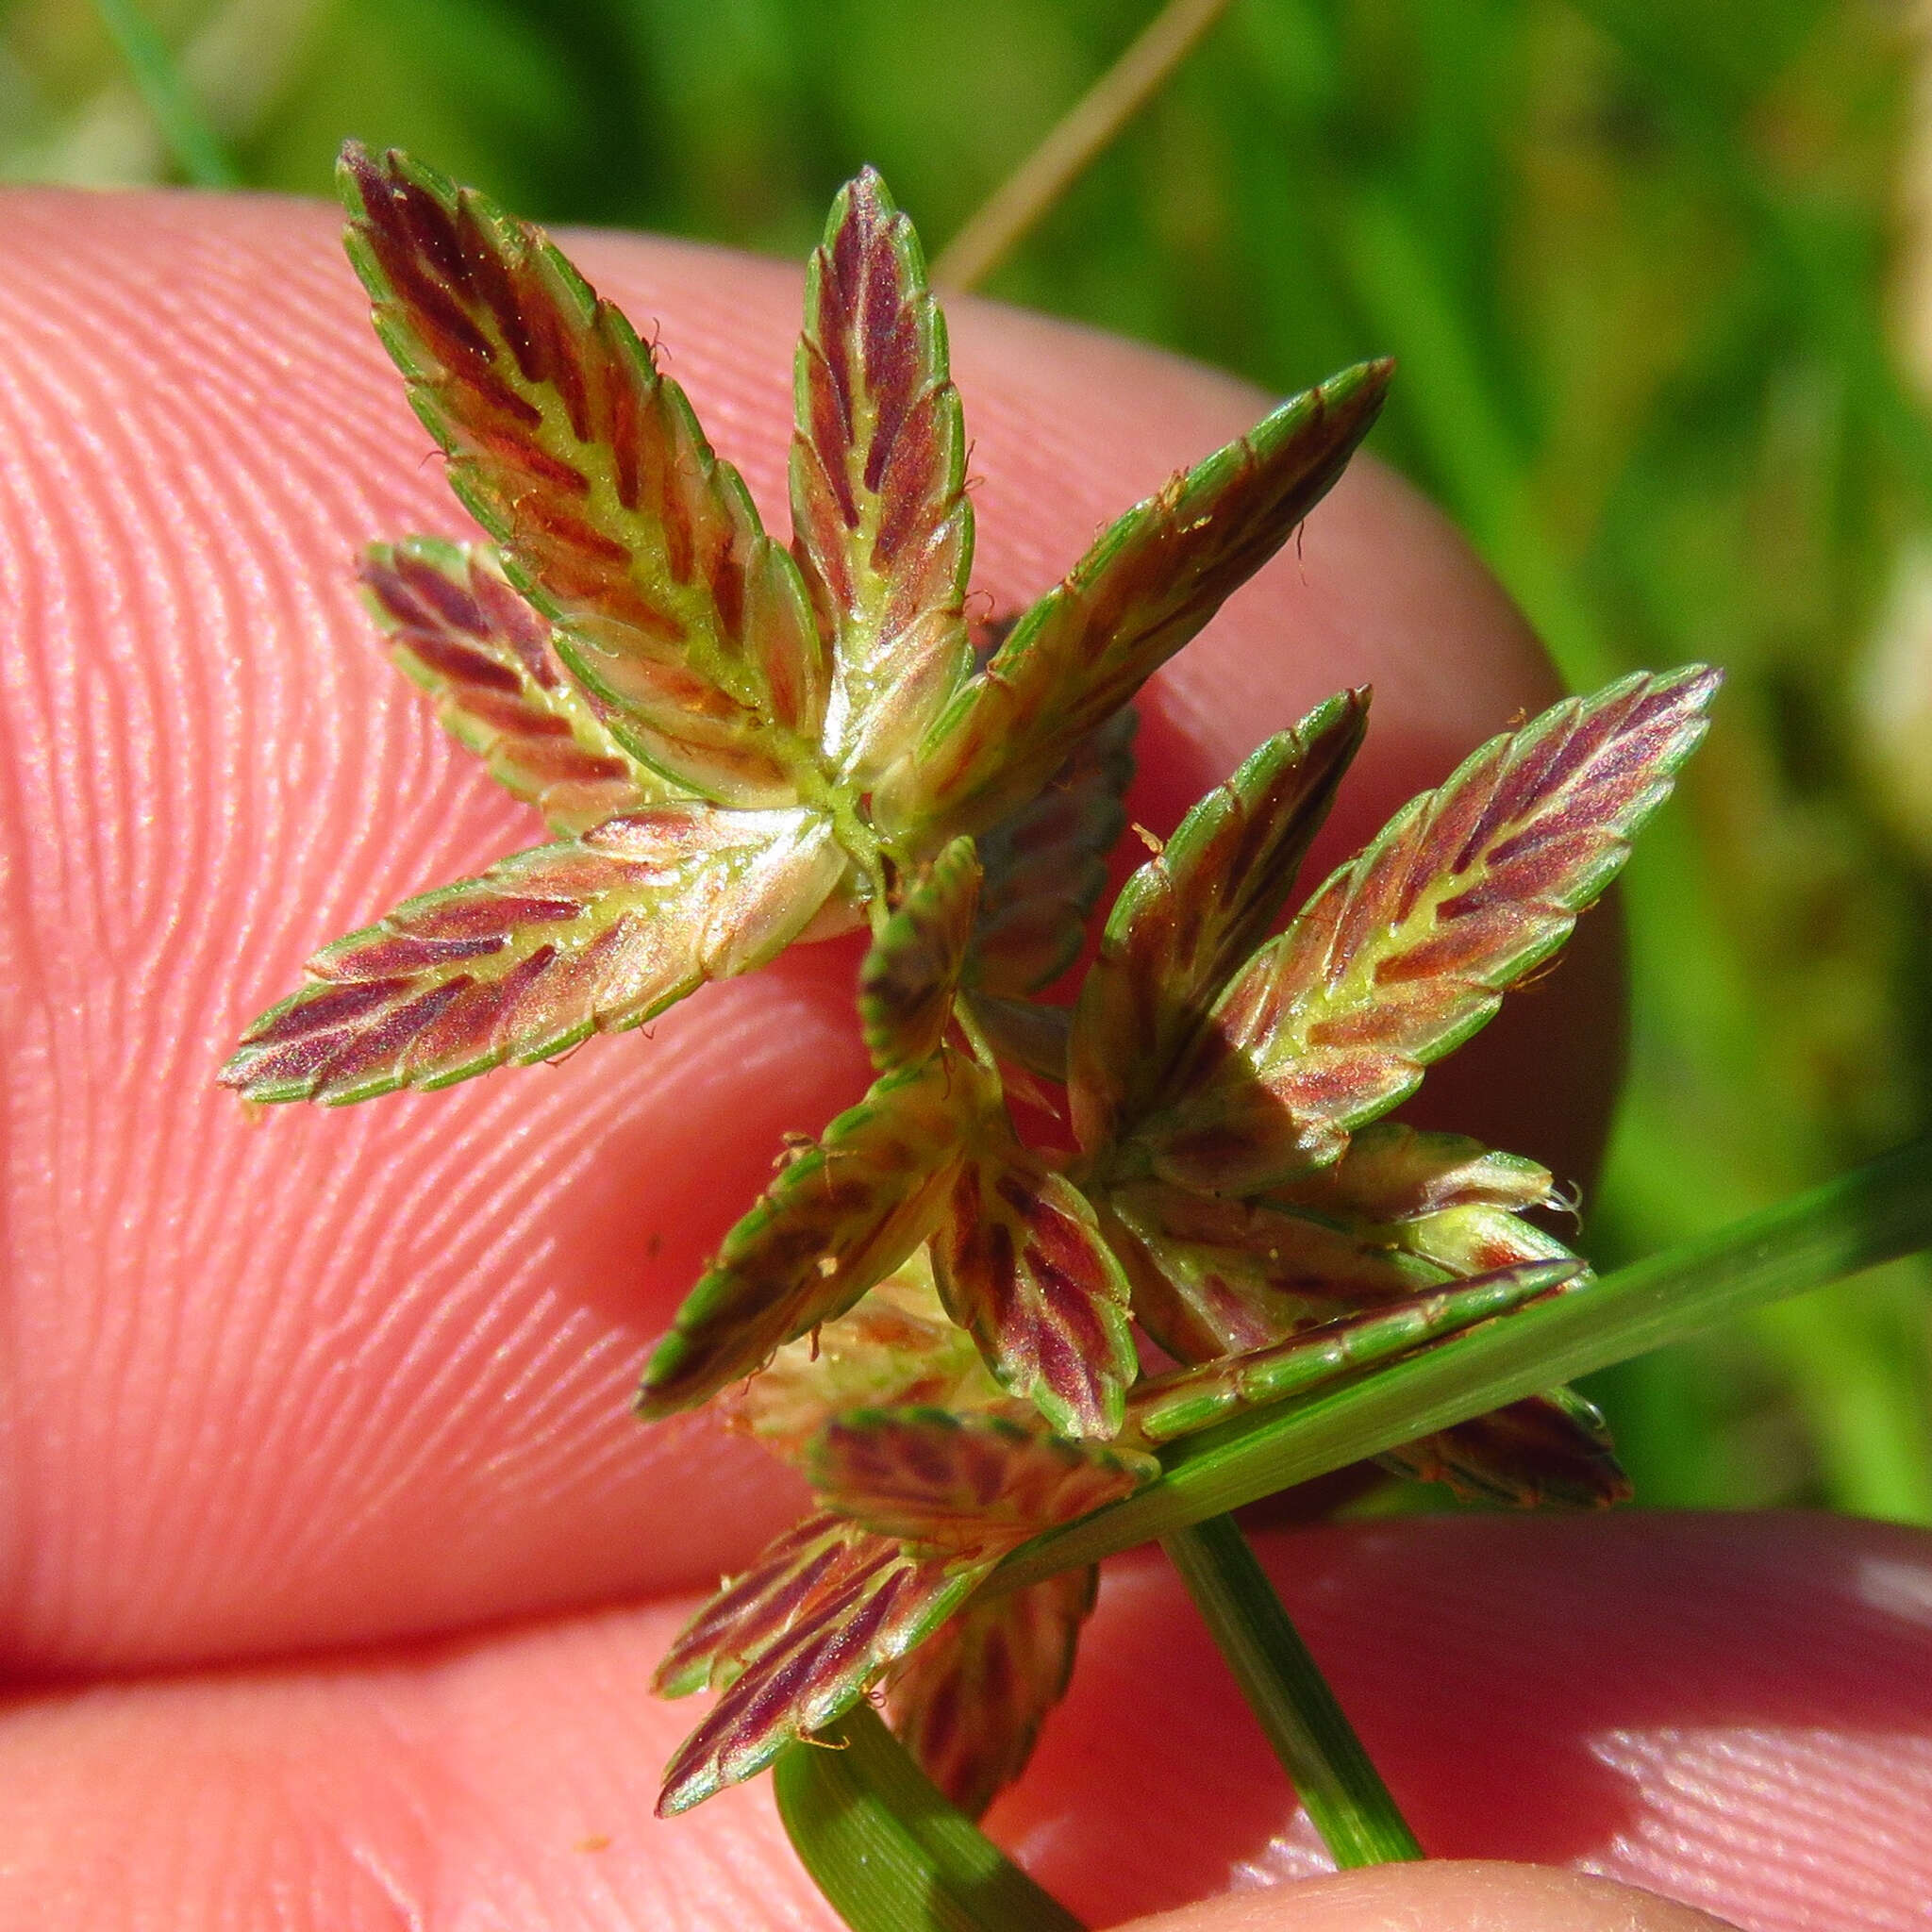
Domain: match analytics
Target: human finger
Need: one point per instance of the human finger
(322, 1377)
(1735, 1713)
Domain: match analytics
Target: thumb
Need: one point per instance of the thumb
(1440, 1896)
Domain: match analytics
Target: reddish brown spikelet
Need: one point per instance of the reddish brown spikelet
(838, 1220)
(1406, 951)
(970, 1700)
(1147, 587)
(1543, 1450)
(486, 658)
(1021, 1263)
(1046, 866)
(593, 934)
(911, 974)
(589, 471)
(1215, 1277)
(1023, 1034)
(895, 1347)
(1548, 1448)
(981, 1483)
(826, 1610)
(882, 527)
(1187, 918)
(1395, 1173)
(818, 1668)
(812, 1563)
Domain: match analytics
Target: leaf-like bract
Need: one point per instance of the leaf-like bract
(1147, 587)
(1406, 951)
(1191, 916)
(910, 976)
(486, 658)
(1186, 1400)
(880, 1603)
(1047, 865)
(840, 1217)
(970, 1700)
(978, 1482)
(1021, 1263)
(894, 1348)
(882, 526)
(589, 471)
(590, 936)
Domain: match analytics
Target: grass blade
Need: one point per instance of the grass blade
(162, 85)
(1332, 1775)
(889, 1851)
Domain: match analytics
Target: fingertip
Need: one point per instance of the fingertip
(1444, 1896)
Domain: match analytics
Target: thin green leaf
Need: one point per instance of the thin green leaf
(486, 658)
(1148, 586)
(912, 972)
(967, 1703)
(1407, 950)
(1021, 1263)
(170, 99)
(1190, 917)
(839, 1218)
(1876, 1214)
(1046, 866)
(591, 471)
(882, 525)
(1346, 1800)
(966, 1483)
(593, 935)
(886, 1848)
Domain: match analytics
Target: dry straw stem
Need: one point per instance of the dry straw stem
(1086, 131)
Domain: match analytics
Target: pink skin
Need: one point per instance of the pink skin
(277, 1389)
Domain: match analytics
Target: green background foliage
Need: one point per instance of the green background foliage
(1659, 273)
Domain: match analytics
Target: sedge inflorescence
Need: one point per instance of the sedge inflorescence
(739, 746)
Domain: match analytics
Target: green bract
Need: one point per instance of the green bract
(738, 746)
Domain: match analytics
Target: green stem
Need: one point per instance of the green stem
(1878, 1213)
(887, 1849)
(1317, 1746)
(162, 86)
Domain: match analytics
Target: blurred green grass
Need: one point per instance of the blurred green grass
(1660, 276)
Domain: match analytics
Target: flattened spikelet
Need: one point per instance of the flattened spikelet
(882, 526)
(591, 471)
(1406, 951)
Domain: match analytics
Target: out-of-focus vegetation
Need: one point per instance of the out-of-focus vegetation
(1661, 275)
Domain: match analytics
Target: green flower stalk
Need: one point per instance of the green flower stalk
(738, 746)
